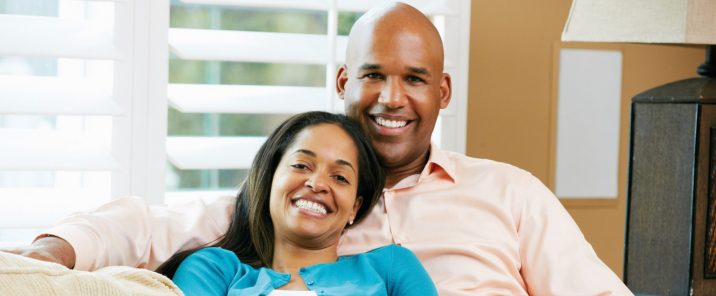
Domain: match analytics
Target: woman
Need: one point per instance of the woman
(316, 175)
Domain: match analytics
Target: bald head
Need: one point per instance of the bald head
(396, 20)
(393, 84)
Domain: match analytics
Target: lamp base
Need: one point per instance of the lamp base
(708, 68)
(671, 215)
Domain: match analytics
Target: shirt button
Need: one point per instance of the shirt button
(309, 283)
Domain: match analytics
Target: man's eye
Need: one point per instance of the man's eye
(373, 76)
(414, 79)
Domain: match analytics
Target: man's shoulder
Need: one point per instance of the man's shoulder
(467, 166)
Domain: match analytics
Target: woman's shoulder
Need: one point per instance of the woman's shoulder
(213, 256)
(391, 249)
(207, 268)
(388, 254)
(212, 253)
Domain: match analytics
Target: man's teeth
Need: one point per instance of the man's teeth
(311, 206)
(390, 123)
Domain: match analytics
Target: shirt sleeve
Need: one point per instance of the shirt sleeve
(556, 258)
(207, 272)
(407, 276)
(129, 232)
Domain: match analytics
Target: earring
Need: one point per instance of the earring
(350, 222)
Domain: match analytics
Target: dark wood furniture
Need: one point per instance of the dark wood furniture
(671, 216)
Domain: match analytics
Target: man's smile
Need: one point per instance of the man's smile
(390, 123)
(386, 126)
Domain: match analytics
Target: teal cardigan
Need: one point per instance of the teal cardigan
(389, 270)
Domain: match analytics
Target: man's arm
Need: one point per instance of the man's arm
(556, 258)
(129, 232)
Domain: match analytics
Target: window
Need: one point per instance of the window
(74, 83)
(57, 103)
(239, 68)
(168, 100)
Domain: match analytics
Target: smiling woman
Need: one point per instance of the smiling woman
(313, 194)
(315, 175)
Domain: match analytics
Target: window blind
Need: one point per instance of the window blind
(97, 98)
(69, 105)
(199, 160)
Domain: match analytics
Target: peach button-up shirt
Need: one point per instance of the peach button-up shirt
(479, 227)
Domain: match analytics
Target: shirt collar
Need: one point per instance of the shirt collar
(439, 161)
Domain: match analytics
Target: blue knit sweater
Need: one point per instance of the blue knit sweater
(389, 270)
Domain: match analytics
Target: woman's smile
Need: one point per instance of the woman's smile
(312, 207)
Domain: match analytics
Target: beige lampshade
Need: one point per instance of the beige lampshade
(649, 21)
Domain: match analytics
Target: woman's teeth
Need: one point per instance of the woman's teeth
(311, 206)
(390, 123)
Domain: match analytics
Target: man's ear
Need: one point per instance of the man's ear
(341, 79)
(445, 90)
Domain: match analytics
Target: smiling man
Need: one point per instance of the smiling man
(480, 227)
(393, 84)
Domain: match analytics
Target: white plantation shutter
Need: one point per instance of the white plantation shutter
(212, 152)
(75, 133)
(86, 103)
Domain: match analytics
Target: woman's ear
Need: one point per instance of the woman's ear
(356, 207)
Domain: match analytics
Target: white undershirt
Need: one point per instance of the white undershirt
(277, 292)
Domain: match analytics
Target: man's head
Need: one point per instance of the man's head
(393, 84)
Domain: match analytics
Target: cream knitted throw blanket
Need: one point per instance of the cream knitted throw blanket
(24, 276)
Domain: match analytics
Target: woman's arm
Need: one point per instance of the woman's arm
(207, 272)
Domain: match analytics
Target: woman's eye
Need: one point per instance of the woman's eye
(299, 166)
(341, 179)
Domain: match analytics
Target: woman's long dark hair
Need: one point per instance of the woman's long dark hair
(251, 234)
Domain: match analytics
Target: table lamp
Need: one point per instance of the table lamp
(671, 194)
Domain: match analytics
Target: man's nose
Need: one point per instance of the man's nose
(316, 183)
(393, 94)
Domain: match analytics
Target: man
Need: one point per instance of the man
(479, 227)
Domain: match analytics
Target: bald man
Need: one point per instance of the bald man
(480, 227)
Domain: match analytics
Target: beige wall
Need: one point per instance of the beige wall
(512, 46)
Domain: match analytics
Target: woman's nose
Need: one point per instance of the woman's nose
(316, 184)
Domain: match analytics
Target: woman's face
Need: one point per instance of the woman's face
(313, 192)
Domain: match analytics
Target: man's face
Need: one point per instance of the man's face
(394, 86)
